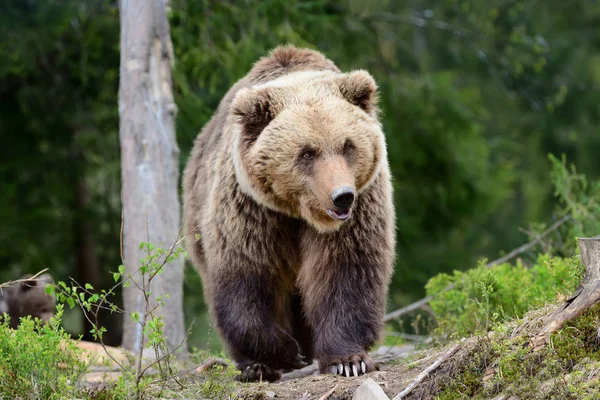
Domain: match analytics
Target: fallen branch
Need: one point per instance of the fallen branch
(519, 250)
(527, 246)
(329, 393)
(584, 297)
(429, 370)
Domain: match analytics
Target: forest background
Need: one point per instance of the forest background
(474, 95)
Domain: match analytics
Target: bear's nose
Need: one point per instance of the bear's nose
(343, 197)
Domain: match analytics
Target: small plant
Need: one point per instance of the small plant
(38, 361)
(486, 288)
(220, 383)
(135, 379)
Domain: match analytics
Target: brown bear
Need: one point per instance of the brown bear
(288, 205)
(28, 298)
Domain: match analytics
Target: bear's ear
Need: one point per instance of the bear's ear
(28, 284)
(253, 110)
(41, 280)
(360, 89)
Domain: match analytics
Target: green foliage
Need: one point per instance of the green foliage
(220, 383)
(134, 379)
(578, 197)
(38, 361)
(481, 296)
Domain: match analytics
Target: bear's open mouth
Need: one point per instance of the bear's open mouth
(340, 215)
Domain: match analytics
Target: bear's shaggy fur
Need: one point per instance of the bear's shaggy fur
(288, 207)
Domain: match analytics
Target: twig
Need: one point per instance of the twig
(527, 246)
(519, 250)
(121, 240)
(429, 370)
(10, 283)
(329, 393)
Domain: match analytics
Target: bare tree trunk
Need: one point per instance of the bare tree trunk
(149, 161)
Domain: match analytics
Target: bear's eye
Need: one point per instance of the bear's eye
(308, 155)
(348, 147)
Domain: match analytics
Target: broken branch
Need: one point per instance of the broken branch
(429, 370)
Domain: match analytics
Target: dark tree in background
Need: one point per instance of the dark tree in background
(149, 162)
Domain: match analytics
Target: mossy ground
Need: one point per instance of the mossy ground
(503, 364)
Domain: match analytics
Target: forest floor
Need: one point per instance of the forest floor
(498, 365)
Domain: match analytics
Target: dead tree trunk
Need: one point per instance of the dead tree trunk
(149, 161)
(584, 297)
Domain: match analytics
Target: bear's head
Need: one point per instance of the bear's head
(29, 298)
(308, 143)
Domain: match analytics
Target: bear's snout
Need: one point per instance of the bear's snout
(343, 197)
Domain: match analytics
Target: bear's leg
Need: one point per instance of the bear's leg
(344, 279)
(301, 328)
(345, 309)
(247, 305)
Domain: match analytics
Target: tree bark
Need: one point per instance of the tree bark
(149, 162)
(584, 297)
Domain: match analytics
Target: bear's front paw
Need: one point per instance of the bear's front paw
(254, 372)
(285, 353)
(350, 365)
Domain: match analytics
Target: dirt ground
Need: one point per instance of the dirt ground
(398, 367)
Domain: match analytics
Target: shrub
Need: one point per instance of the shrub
(38, 362)
(483, 296)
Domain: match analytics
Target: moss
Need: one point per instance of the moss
(567, 368)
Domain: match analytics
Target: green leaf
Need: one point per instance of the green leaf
(89, 287)
(122, 269)
(135, 317)
(70, 302)
(50, 290)
(116, 276)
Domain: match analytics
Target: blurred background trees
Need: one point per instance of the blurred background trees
(474, 95)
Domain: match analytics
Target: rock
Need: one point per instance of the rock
(270, 394)
(369, 390)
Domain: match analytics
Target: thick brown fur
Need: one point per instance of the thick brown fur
(289, 275)
(28, 298)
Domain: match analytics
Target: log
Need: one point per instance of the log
(584, 297)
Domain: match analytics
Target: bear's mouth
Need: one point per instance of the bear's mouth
(339, 215)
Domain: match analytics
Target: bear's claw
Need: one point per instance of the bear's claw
(258, 372)
(352, 366)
